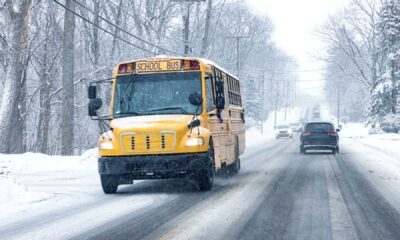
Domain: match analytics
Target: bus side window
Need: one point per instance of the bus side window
(210, 93)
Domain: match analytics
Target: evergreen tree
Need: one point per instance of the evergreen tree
(385, 96)
(253, 102)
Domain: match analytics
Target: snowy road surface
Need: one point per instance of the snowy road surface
(278, 194)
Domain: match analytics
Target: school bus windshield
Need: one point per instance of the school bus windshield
(156, 94)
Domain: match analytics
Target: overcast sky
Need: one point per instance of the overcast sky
(295, 23)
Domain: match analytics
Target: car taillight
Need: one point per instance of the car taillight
(306, 134)
(333, 134)
(191, 65)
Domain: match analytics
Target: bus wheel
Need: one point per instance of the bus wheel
(205, 176)
(109, 183)
(235, 167)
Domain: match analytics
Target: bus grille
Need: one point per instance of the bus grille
(148, 142)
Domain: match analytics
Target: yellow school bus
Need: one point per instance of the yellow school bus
(170, 117)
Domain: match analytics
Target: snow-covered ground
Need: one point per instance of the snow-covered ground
(35, 182)
(33, 179)
(388, 143)
(377, 156)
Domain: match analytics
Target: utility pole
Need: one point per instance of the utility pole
(262, 103)
(186, 29)
(286, 98)
(276, 103)
(338, 104)
(238, 53)
(186, 19)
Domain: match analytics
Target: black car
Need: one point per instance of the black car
(319, 136)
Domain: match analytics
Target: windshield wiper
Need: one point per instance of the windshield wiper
(169, 108)
(129, 113)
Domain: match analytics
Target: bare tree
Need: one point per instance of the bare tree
(351, 39)
(18, 17)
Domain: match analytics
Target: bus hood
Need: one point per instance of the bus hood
(151, 123)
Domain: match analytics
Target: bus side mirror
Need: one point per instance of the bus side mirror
(92, 92)
(219, 87)
(194, 123)
(94, 105)
(195, 99)
(220, 102)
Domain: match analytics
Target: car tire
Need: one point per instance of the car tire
(109, 183)
(334, 151)
(205, 176)
(302, 150)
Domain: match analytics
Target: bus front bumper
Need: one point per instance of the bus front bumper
(152, 166)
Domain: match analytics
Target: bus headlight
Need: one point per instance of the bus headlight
(195, 142)
(106, 146)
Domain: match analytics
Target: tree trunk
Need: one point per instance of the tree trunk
(394, 88)
(204, 44)
(45, 107)
(18, 22)
(116, 30)
(18, 134)
(95, 42)
(67, 113)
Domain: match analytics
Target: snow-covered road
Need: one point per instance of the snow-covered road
(278, 194)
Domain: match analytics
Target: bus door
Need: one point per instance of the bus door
(218, 120)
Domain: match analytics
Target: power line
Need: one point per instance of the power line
(289, 80)
(310, 88)
(286, 72)
(123, 30)
(92, 23)
(143, 23)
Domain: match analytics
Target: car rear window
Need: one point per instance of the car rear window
(283, 126)
(319, 127)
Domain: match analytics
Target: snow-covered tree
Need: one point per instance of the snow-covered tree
(385, 99)
(252, 102)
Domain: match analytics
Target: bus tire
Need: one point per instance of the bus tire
(235, 167)
(205, 176)
(109, 183)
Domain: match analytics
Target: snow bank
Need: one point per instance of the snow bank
(22, 175)
(354, 130)
(11, 191)
(388, 143)
(37, 162)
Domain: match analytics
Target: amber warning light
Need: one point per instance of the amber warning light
(125, 68)
(191, 65)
